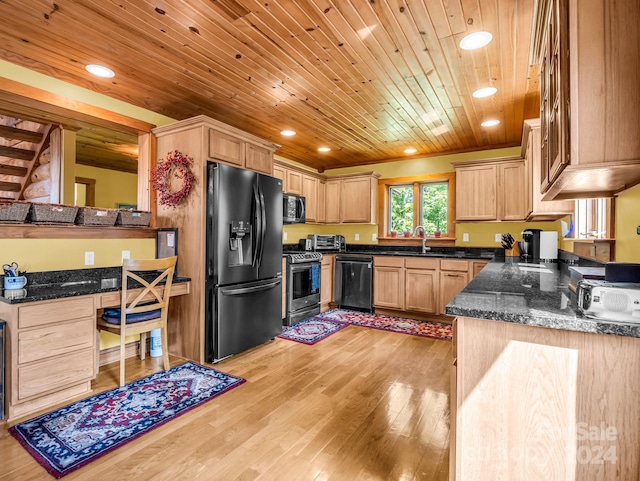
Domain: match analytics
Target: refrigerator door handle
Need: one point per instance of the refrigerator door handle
(230, 291)
(257, 250)
(263, 225)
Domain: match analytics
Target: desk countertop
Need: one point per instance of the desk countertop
(49, 285)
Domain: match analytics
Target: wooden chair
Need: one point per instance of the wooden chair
(141, 313)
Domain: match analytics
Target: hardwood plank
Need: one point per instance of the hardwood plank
(352, 407)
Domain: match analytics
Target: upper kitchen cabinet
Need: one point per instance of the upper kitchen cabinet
(232, 146)
(352, 198)
(589, 102)
(492, 190)
(540, 210)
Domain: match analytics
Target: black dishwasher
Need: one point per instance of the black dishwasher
(354, 282)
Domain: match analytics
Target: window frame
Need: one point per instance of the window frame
(384, 208)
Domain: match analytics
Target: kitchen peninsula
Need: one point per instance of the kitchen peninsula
(539, 392)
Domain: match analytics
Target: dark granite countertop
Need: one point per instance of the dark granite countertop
(42, 286)
(390, 250)
(532, 294)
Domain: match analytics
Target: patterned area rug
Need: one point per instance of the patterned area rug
(312, 330)
(66, 439)
(436, 330)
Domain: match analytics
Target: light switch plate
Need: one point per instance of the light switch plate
(89, 258)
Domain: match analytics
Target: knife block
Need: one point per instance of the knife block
(513, 252)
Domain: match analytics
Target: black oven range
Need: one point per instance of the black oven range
(303, 286)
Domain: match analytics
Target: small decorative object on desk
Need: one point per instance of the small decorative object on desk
(14, 212)
(53, 213)
(133, 218)
(97, 217)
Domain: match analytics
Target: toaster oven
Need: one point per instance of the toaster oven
(614, 301)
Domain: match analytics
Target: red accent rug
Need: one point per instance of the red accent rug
(436, 330)
(311, 330)
(64, 440)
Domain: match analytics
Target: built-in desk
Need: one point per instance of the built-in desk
(51, 335)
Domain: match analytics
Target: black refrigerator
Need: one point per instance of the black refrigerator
(243, 260)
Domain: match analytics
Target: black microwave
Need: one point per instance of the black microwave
(293, 209)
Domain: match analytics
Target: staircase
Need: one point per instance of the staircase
(23, 147)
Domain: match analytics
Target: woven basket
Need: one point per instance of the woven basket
(14, 212)
(133, 218)
(93, 216)
(53, 214)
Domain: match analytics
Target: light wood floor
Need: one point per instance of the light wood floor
(362, 404)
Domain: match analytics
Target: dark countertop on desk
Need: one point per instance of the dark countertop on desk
(531, 294)
(47, 285)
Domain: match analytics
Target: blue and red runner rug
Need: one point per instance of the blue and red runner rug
(316, 328)
(64, 440)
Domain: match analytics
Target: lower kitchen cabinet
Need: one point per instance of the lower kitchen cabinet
(421, 281)
(326, 281)
(454, 276)
(388, 282)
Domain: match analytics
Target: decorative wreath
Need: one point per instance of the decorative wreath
(175, 166)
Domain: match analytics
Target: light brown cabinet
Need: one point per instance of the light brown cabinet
(406, 283)
(454, 276)
(539, 210)
(388, 282)
(589, 77)
(421, 285)
(235, 150)
(326, 282)
(491, 190)
(352, 198)
(310, 193)
(52, 349)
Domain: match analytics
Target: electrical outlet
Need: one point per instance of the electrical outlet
(356, 237)
(374, 237)
(498, 238)
(284, 236)
(126, 255)
(465, 237)
(89, 259)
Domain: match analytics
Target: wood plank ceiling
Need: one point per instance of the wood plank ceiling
(367, 78)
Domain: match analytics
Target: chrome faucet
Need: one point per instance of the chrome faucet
(424, 238)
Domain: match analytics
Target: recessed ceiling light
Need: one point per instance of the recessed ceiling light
(323, 149)
(475, 40)
(490, 123)
(100, 71)
(484, 92)
(288, 133)
(410, 151)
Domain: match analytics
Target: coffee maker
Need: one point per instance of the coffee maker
(530, 250)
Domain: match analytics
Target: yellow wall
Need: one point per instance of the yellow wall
(627, 221)
(112, 187)
(58, 254)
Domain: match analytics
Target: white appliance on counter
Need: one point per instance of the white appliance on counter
(548, 245)
(613, 301)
